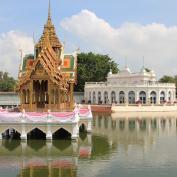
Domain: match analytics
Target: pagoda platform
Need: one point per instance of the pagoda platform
(47, 122)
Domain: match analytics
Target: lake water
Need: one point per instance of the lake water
(125, 145)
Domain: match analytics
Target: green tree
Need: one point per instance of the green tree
(167, 79)
(7, 83)
(93, 68)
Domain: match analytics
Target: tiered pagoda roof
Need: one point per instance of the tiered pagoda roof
(61, 70)
(50, 29)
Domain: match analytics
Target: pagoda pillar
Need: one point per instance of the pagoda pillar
(21, 97)
(49, 93)
(71, 95)
(31, 96)
(59, 99)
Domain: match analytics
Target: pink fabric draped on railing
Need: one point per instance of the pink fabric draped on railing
(62, 116)
(84, 112)
(36, 116)
(10, 117)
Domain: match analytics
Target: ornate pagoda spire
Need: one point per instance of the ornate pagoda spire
(49, 30)
(49, 20)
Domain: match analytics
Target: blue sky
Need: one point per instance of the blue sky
(126, 30)
(30, 15)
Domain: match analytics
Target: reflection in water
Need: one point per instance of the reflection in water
(113, 137)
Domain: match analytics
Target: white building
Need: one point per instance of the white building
(129, 88)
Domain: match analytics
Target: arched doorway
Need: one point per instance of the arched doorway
(142, 97)
(82, 128)
(131, 97)
(90, 97)
(162, 97)
(40, 93)
(99, 98)
(153, 97)
(121, 97)
(11, 134)
(106, 101)
(169, 96)
(36, 134)
(113, 97)
(94, 97)
(61, 134)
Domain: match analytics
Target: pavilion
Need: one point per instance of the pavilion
(46, 79)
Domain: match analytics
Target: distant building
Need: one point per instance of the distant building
(130, 88)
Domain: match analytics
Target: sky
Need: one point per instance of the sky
(127, 30)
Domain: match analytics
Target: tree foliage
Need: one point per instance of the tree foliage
(93, 68)
(169, 79)
(7, 83)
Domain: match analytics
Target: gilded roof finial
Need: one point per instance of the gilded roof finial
(49, 11)
(49, 21)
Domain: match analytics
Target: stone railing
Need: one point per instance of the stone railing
(154, 84)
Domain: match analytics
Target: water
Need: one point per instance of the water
(125, 145)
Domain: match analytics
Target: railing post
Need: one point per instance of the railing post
(23, 116)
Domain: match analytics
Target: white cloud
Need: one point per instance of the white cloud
(10, 43)
(156, 42)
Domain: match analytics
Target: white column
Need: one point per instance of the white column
(0, 136)
(148, 99)
(49, 133)
(75, 132)
(166, 95)
(126, 97)
(24, 134)
(136, 96)
(158, 97)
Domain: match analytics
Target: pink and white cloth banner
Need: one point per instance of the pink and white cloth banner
(10, 117)
(62, 116)
(84, 112)
(36, 117)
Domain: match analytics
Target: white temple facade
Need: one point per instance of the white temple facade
(126, 87)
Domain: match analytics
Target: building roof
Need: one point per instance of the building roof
(61, 71)
(48, 59)
(50, 29)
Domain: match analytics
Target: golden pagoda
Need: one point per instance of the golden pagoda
(46, 80)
